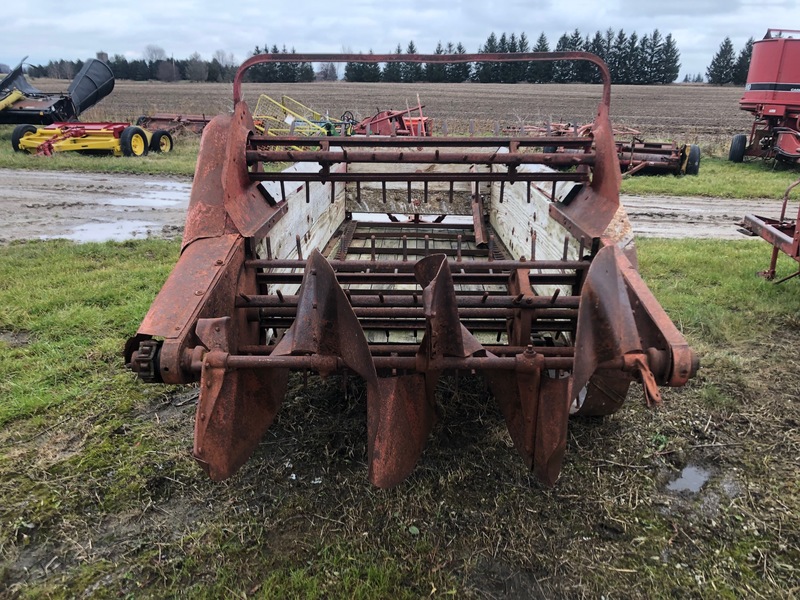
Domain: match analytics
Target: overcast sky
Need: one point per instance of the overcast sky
(52, 29)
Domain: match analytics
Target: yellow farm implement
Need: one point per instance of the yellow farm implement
(120, 139)
(290, 117)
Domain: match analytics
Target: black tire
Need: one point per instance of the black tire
(133, 141)
(161, 141)
(20, 131)
(738, 147)
(693, 160)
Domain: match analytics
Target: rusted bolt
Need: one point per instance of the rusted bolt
(198, 293)
(219, 261)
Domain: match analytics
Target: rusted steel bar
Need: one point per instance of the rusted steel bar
(442, 158)
(412, 349)
(270, 141)
(410, 312)
(497, 326)
(284, 176)
(393, 299)
(469, 278)
(334, 363)
(356, 250)
(342, 266)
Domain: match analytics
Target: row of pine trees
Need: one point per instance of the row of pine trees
(646, 60)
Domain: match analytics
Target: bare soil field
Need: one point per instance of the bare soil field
(698, 114)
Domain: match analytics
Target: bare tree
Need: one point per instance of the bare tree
(326, 72)
(225, 59)
(153, 53)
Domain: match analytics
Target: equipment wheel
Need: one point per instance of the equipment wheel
(161, 141)
(693, 161)
(20, 131)
(738, 146)
(133, 141)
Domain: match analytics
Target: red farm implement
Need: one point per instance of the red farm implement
(405, 260)
(634, 154)
(772, 95)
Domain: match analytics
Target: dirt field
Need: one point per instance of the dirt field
(700, 114)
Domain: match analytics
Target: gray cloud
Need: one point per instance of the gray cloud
(182, 27)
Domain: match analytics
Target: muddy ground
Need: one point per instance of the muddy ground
(88, 207)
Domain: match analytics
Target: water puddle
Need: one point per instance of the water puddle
(104, 232)
(691, 479)
(155, 194)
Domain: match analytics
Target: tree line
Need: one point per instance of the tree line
(646, 60)
(726, 67)
(155, 65)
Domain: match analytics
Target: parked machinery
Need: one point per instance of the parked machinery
(402, 260)
(635, 155)
(772, 94)
(119, 139)
(20, 102)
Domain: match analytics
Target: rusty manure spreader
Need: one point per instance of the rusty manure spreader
(405, 259)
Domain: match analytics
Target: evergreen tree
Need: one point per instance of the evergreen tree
(641, 72)
(508, 71)
(589, 72)
(521, 68)
(370, 72)
(436, 72)
(617, 63)
(720, 71)
(632, 59)
(669, 61)
(461, 71)
(287, 71)
(742, 65)
(353, 71)
(393, 71)
(698, 78)
(562, 70)
(412, 71)
(486, 72)
(540, 71)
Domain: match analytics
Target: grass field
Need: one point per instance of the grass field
(99, 496)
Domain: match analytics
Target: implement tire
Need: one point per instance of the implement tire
(693, 161)
(161, 141)
(20, 131)
(133, 141)
(738, 147)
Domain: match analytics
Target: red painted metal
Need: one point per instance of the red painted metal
(782, 233)
(772, 95)
(576, 332)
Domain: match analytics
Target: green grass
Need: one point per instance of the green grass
(97, 484)
(718, 178)
(181, 161)
(75, 303)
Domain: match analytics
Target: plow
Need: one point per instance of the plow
(403, 260)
